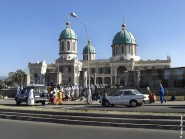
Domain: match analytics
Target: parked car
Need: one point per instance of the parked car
(39, 91)
(129, 97)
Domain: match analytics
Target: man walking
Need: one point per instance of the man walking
(162, 94)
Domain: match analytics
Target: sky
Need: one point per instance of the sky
(30, 29)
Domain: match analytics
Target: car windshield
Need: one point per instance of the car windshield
(40, 89)
(136, 92)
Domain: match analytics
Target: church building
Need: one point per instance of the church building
(113, 70)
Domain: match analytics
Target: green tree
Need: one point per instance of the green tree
(2, 85)
(17, 77)
(8, 83)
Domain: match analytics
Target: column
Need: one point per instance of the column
(94, 78)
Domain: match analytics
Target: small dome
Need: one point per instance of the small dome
(124, 37)
(91, 49)
(68, 33)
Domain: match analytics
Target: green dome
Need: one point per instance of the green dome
(124, 37)
(91, 49)
(68, 33)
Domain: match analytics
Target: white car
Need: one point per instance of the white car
(130, 97)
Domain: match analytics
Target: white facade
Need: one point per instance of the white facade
(104, 71)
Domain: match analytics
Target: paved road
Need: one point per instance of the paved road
(11, 129)
(170, 106)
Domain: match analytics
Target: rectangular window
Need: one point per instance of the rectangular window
(92, 70)
(101, 70)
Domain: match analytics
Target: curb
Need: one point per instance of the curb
(95, 119)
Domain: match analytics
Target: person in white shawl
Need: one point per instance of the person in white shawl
(18, 91)
(31, 100)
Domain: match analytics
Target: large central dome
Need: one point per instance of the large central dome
(68, 33)
(124, 37)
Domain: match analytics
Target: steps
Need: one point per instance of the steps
(96, 119)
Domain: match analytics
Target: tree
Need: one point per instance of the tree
(1, 84)
(17, 77)
(8, 83)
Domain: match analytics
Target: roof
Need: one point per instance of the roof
(68, 33)
(123, 37)
(90, 48)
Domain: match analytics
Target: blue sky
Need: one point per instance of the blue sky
(29, 29)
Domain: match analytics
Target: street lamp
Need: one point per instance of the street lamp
(88, 45)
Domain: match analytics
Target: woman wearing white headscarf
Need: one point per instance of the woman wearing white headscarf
(31, 100)
(18, 91)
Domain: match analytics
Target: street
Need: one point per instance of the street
(168, 107)
(37, 130)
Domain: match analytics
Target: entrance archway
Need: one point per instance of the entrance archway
(36, 78)
(120, 75)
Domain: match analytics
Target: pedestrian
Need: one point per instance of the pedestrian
(173, 98)
(104, 96)
(89, 96)
(48, 88)
(60, 97)
(152, 96)
(18, 90)
(161, 91)
(81, 90)
(31, 100)
(54, 98)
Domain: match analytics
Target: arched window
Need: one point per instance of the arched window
(62, 46)
(68, 45)
(74, 46)
(129, 47)
(116, 50)
(122, 52)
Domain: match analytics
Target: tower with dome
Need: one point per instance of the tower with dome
(113, 70)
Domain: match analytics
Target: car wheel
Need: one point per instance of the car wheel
(17, 102)
(106, 103)
(26, 101)
(43, 103)
(133, 103)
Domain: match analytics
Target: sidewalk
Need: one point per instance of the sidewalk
(80, 103)
(168, 103)
(157, 103)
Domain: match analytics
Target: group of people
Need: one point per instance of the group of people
(152, 96)
(57, 93)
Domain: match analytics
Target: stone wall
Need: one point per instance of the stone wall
(169, 77)
(9, 93)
